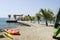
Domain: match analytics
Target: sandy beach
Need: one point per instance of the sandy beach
(36, 32)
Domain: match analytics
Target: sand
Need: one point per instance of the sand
(35, 32)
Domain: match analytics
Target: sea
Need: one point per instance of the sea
(4, 24)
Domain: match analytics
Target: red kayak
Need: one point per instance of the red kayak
(13, 32)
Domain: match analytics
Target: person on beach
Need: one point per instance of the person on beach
(57, 25)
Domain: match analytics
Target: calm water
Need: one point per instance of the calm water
(3, 24)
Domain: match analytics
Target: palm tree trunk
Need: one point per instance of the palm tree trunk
(38, 22)
(46, 23)
(50, 22)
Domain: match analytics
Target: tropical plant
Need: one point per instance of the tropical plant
(47, 14)
(38, 16)
(9, 16)
(29, 17)
(26, 18)
(32, 18)
(57, 19)
(22, 18)
(51, 15)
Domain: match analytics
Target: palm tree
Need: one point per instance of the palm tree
(51, 15)
(30, 17)
(47, 14)
(38, 16)
(9, 16)
(57, 19)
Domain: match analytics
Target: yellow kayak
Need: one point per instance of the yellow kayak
(8, 35)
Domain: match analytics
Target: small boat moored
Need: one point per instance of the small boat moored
(8, 35)
(13, 32)
(11, 21)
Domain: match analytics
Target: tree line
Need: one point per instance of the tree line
(47, 14)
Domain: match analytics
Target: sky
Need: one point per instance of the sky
(26, 7)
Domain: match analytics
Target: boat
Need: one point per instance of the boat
(8, 21)
(13, 32)
(8, 35)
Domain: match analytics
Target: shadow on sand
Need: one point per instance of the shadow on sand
(1, 36)
(57, 38)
